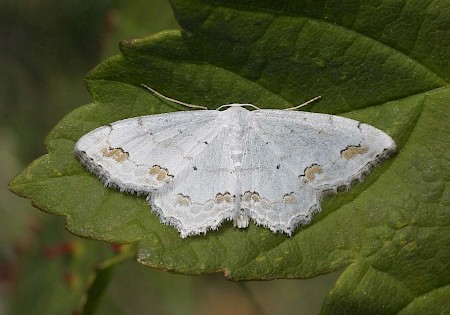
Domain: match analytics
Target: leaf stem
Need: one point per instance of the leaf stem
(99, 280)
(251, 298)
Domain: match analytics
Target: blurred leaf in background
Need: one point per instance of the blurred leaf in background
(47, 47)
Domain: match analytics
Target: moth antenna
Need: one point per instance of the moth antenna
(304, 104)
(171, 99)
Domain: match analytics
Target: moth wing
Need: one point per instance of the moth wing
(181, 160)
(293, 158)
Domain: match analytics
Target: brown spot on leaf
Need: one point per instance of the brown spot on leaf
(310, 172)
(225, 197)
(183, 200)
(251, 196)
(352, 150)
(255, 197)
(161, 174)
(289, 198)
(118, 154)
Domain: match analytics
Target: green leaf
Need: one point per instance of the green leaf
(382, 62)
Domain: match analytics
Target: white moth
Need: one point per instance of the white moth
(200, 168)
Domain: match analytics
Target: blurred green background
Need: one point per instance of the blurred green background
(47, 48)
